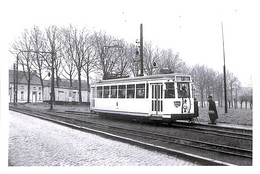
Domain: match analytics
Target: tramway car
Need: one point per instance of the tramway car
(166, 97)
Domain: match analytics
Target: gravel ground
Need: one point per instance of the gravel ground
(35, 142)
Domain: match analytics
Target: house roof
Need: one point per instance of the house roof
(35, 80)
(65, 83)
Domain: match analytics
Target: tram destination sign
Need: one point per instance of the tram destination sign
(182, 78)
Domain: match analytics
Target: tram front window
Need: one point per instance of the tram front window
(169, 92)
(183, 90)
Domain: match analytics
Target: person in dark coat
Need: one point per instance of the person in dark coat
(212, 107)
(196, 110)
(196, 107)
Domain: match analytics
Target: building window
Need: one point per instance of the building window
(40, 96)
(40, 88)
(22, 95)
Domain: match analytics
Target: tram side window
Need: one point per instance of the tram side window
(99, 92)
(130, 91)
(183, 90)
(140, 90)
(106, 92)
(122, 91)
(113, 91)
(169, 92)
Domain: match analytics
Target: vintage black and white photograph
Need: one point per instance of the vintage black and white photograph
(130, 83)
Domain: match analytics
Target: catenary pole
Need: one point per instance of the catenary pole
(224, 70)
(16, 84)
(141, 50)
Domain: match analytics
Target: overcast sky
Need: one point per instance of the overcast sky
(190, 27)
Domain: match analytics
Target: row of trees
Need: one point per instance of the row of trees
(209, 82)
(74, 53)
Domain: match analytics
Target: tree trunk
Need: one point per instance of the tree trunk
(28, 86)
(71, 81)
(79, 81)
(201, 99)
(57, 78)
(87, 74)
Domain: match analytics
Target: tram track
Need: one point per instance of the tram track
(231, 132)
(219, 131)
(69, 117)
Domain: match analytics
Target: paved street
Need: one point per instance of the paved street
(35, 142)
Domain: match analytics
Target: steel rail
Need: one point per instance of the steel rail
(197, 158)
(171, 139)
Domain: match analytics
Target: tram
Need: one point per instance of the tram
(166, 97)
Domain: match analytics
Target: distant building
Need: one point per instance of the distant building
(66, 93)
(22, 94)
(63, 93)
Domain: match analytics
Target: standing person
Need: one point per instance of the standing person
(196, 110)
(196, 107)
(213, 113)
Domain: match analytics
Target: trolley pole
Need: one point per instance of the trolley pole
(141, 50)
(224, 70)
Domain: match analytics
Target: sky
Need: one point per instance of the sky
(190, 27)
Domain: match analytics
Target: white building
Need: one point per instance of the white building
(63, 93)
(22, 94)
(66, 93)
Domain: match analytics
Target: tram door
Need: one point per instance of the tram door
(157, 98)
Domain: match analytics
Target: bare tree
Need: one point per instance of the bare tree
(69, 69)
(106, 52)
(218, 86)
(231, 81)
(132, 53)
(80, 46)
(22, 48)
(90, 62)
(198, 73)
(37, 46)
(122, 59)
(52, 46)
(151, 59)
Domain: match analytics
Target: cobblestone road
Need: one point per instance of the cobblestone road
(35, 142)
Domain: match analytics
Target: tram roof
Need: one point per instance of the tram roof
(142, 78)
